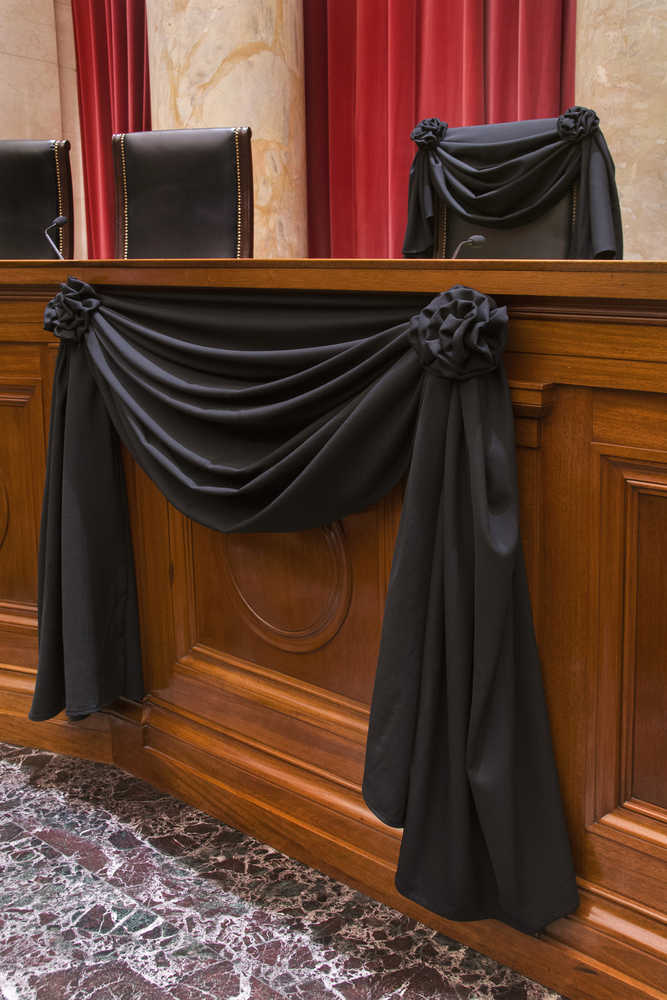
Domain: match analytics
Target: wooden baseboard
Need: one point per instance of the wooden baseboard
(90, 738)
(612, 949)
(607, 951)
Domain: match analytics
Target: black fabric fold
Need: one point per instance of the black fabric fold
(509, 174)
(262, 411)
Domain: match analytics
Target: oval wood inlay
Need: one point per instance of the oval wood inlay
(312, 601)
(4, 513)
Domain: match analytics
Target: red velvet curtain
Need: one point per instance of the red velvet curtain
(375, 67)
(114, 96)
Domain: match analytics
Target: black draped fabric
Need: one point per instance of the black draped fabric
(509, 174)
(278, 411)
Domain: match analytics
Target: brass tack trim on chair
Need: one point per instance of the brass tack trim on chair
(238, 193)
(54, 147)
(573, 217)
(123, 170)
(441, 250)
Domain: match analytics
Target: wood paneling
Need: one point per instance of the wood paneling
(259, 650)
(22, 459)
(307, 628)
(648, 774)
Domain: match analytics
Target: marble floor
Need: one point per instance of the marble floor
(111, 890)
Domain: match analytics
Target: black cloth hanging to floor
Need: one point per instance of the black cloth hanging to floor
(508, 174)
(279, 411)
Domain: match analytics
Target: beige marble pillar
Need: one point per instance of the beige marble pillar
(29, 78)
(38, 96)
(620, 72)
(240, 62)
(69, 113)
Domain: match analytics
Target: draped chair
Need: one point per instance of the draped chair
(35, 188)
(534, 189)
(184, 193)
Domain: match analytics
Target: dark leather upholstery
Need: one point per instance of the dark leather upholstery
(544, 238)
(184, 193)
(35, 187)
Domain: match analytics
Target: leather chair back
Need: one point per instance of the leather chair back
(544, 238)
(35, 187)
(184, 193)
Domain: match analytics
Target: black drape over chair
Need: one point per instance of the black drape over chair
(184, 193)
(35, 188)
(277, 411)
(535, 189)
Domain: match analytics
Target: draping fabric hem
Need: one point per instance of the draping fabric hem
(490, 912)
(74, 714)
(385, 818)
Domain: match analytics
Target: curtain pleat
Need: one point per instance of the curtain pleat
(341, 68)
(388, 63)
(114, 96)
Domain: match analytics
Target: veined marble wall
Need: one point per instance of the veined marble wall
(38, 95)
(69, 114)
(240, 62)
(620, 60)
(29, 87)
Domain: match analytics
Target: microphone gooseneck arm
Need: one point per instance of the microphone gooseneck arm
(476, 240)
(59, 221)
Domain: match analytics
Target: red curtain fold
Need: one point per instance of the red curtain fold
(114, 96)
(375, 67)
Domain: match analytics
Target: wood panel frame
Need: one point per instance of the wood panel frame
(280, 757)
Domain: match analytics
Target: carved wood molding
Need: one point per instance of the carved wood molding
(4, 511)
(271, 689)
(16, 395)
(646, 314)
(531, 402)
(623, 481)
(35, 293)
(619, 931)
(18, 616)
(582, 279)
(293, 776)
(625, 844)
(531, 399)
(311, 635)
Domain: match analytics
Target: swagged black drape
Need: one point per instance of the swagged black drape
(277, 411)
(508, 182)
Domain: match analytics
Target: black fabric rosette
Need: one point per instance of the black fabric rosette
(460, 334)
(69, 313)
(428, 133)
(576, 123)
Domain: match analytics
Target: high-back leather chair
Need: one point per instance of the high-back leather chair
(184, 193)
(542, 189)
(547, 237)
(35, 188)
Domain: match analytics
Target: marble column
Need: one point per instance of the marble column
(38, 95)
(69, 115)
(240, 62)
(620, 71)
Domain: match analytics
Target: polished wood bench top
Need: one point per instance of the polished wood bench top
(612, 279)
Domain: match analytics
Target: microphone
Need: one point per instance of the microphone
(473, 240)
(59, 221)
